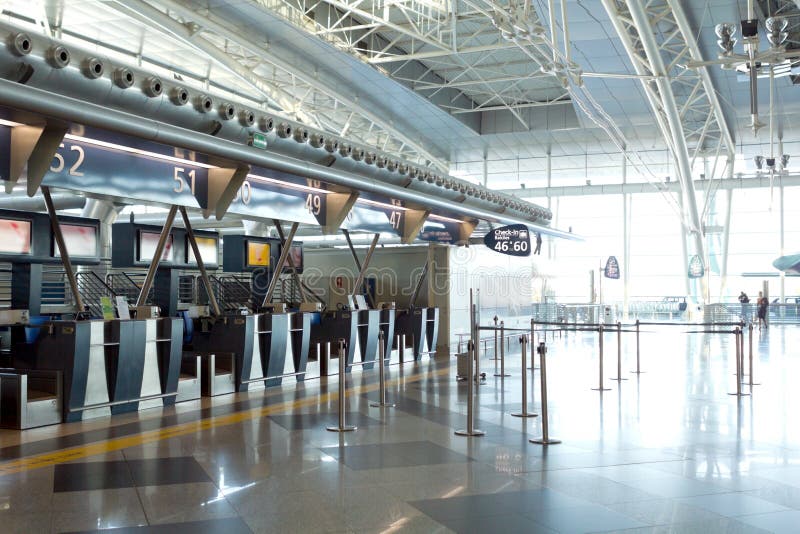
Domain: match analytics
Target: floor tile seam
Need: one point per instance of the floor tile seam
(141, 502)
(110, 445)
(601, 466)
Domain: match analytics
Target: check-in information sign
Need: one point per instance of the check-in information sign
(513, 240)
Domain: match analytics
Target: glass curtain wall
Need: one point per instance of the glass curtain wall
(657, 268)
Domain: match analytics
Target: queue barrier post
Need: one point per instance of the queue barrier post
(619, 353)
(638, 370)
(750, 342)
(470, 430)
(600, 387)
(545, 439)
(523, 340)
(738, 335)
(502, 373)
(342, 427)
(381, 376)
(496, 357)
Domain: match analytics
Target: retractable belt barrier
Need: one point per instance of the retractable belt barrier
(523, 341)
(381, 376)
(545, 439)
(342, 427)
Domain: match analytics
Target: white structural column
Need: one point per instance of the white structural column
(726, 235)
(782, 241)
(658, 39)
(626, 242)
(551, 243)
(670, 108)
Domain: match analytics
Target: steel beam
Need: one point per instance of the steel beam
(240, 39)
(727, 184)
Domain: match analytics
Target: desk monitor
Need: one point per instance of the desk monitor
(257, 254)
(15, 236)
(209, 247)
(147, 247)
(296, 254)
(81, 241)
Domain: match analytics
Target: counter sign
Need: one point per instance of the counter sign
(513, 240)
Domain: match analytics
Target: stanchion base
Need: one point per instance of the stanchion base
(525, 414)
(601, 389)
(341, 429)
(618, 379)
(739, 394)
(548, 441)
(501, 375)
(475, 432)
(638, 372)
(494, 359)
(382, 404)
(749, 384)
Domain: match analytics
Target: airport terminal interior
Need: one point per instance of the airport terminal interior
(399, 266)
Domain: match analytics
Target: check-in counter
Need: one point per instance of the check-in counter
(327, 328)
(368, 328)
(256, 342)
(300, 341)
(432, 329)
(106, 367)
(387, 326)
(418, 327)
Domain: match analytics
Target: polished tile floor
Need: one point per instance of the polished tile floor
(665, 451)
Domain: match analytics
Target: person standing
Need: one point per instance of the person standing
(538, 249)
(763, 306)
(744, 300)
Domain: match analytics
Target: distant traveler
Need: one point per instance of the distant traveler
(744, 299)
(763, 305)
(538, 249)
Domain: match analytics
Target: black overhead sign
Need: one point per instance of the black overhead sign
(513, 240)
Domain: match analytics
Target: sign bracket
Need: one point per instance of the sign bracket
(151, 271)
(34, 146)
(292, 266)
(200, 263)
(62, 249)
(364, 266)
(281, 262)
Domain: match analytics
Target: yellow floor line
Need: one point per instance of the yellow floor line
(101, 447)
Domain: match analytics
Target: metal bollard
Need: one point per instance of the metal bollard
(619, 353)
(502, 373)
(741, 351)
(638, 370)
(545, 439)
(750, 341)
(496, 357)
(523, 340)
(342, 364)
(738, 335)
(381, 376)
(470, 430)
(533, 340)
(600, 386)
